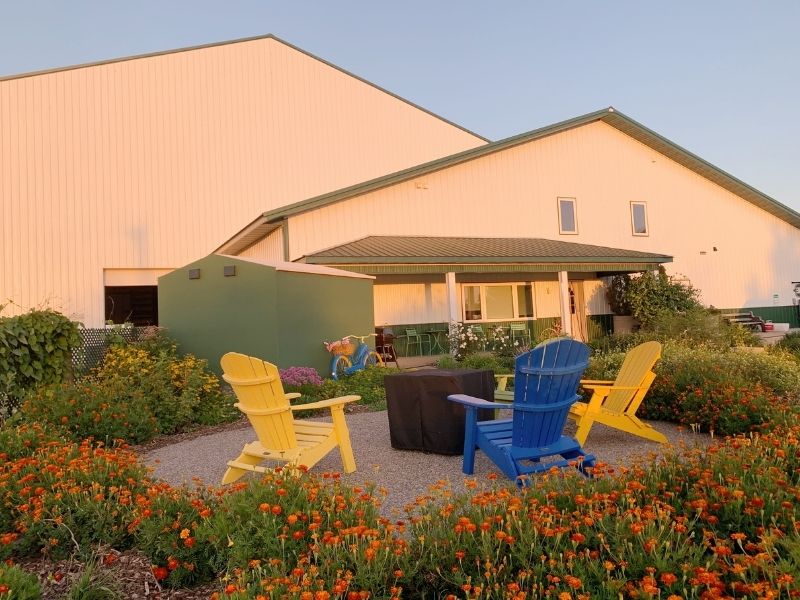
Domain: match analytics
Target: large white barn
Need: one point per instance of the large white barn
(526, 228)
(114, 173)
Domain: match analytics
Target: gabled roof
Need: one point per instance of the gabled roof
(610, 116)
(268, 36)
(533, 254)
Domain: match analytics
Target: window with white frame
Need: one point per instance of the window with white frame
(639, 218)
(498, 301)
(567, 216)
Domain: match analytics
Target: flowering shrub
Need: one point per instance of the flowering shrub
(729, 409)
(463, 340)
(179, 391)
(297, 376)
(24, 439)
(720, 522)
(16, 584)
(165, 527)
(105, 411)
(66, 494)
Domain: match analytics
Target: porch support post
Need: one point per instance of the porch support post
(453, 315)
(563, 296)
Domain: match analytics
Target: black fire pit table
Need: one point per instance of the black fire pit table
(421, 417)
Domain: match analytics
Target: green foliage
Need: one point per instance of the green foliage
(617, 295)
(179, 390)
(367, 383)
(690, 375)
(696, 325)
(650, 295)
(103, 410)
(16, 584)
(790, 343)
(93, 584)
(34, 350)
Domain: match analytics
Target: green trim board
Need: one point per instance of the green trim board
(609, 116)
(600, 268)
(776, 314)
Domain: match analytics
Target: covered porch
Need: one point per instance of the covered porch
(522, 285)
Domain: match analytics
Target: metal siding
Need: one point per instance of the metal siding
(152, 162)
(513, 194)
(594, 293)
(547, 299)
(270, 247)
(410, 303)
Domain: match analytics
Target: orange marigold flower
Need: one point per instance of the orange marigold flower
(264, 507)
(668, 578)
(276, 510)
(185, 533)
(160, 573)
(189, 542)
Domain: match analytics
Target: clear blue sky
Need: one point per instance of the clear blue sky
(718, 77)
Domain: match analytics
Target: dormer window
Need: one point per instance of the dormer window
(567, 216)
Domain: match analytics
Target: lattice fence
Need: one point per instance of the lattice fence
(95, 342)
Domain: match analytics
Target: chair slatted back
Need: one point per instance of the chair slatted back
(518, 327)
(257, 385)
(545, 386)
(635, 373)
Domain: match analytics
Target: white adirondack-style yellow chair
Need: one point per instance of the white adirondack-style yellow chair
(614, 403)
(281, 438)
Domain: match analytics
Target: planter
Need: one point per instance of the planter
(625, 324)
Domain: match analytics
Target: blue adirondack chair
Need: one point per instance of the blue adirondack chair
(545, 386)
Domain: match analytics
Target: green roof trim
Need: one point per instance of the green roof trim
(238, 41)
(472, 254)
(530, 268)
(609, 116)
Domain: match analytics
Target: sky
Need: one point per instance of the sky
(720, 78)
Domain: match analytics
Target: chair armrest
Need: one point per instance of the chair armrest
(293, 395)
(325, 403)
(608, 388)
(471, 401)
(585, 382)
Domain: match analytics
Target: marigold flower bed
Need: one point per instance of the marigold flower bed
(710, 524)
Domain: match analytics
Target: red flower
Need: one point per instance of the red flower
(160, 573)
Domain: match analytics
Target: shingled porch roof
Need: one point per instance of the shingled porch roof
(424, 254)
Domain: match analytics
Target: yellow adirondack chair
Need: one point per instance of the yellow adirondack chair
(614, 403)
(281, 438)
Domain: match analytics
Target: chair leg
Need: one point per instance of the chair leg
(234, 473)
(584, 425)
(343, 438)
(470, 432)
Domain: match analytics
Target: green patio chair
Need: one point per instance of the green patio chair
(417, 340)
(519, 331)
(480, 335)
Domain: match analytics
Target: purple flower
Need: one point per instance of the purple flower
(300, 376)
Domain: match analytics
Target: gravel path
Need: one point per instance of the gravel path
(405, 474)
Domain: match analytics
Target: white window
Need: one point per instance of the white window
(498, 301)
(567, 216)
(639, 218)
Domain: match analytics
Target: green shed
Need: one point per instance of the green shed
(278, 311)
